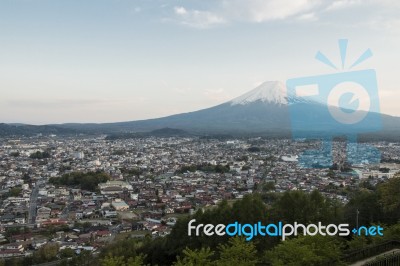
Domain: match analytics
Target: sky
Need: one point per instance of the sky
(119, 60)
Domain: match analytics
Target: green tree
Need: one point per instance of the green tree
(40, 155)
(85, 258)
(254, 149)
(306, 250)
(15, 191)
(268, 186)
(389, 194)
(238, 252)
(113, 261)
(245, 167)
(122, 261)
(195, 257)
(87, 181)
(366, 204)
(136, 261)
(10, 231)
(46, 253)
(358, 242)
(15, 154)
(67, 253)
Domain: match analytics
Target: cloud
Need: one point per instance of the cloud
(224, 11)
(267, 10)
(179, 10)
(261, 11)
(197, 18)
(386, 23)
(380, 15)
(308, 17)
(341, 4)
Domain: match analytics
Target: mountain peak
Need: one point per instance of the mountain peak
(267, 92)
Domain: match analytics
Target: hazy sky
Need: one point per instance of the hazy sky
(120, 60)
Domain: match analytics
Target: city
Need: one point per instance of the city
(140, 187)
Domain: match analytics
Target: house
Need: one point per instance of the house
(103, 233)
(22, 237)
(110, 214)
(9, 253)
(43, 213)
(20, 219)
(14, 246)
(53, 222)
(7, 218)
(119, 205)
(112, 187)
(76, 193)
(124, 228)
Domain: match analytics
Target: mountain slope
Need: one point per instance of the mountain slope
(263, 110)
(29, 130)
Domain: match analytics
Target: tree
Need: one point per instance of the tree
(366, 204)
(205, 168)
(269, 186)
(306, 250)
(40, 155)
(136, 261)
(67, 253)
(10, 231)
(245, 167)
(87, 181)
(85, 258)
(113, 261)
(384, 170)
(301, 207)
(15, 154)
(358, 242)
(390, 233)
(126, 248)
(46, 253)
(195, 257)
(331, 173)
(15, 191)
(254, 149)
(389, 194)
(223, 250)
(238, 252)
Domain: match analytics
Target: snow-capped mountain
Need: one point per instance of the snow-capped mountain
(268, 92)
(271, 92)
(266, 109)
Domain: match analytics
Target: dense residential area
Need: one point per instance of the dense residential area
(83, 193)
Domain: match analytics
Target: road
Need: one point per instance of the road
(65, 212)
(33, 205)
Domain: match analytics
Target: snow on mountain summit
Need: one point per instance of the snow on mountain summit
(268, 92)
